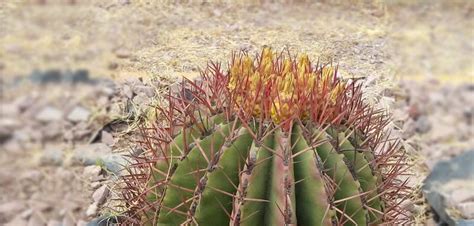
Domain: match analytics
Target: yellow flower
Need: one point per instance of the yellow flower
(279, 79)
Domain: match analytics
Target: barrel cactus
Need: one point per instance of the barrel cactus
(272, 140)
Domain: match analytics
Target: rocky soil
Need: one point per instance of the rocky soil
(63, 145)
(436, 120)
(77, 78)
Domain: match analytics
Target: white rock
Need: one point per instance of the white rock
(100, 194)
(11, 207)
(54, 223)
(95, 184)
(39, 206)
(124, 2)
(78, 114)
(68, 221)
(17, 221)
(81, 223)
(52, 156)
(32, 175)
(107, 138)
(422, 125)
(35, 220)
(107, 90)
(127, 91)
(9, 109)
(460, 194)
(90, 154)
(49, 114)
(147, 90)
(92, 210)
(98, 178)
(26, 214)
(10, 122)
(466, 209)
(122, 53)
(91, 171)
(141, 99)
(51, 131)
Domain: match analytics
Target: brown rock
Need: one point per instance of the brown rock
(112, 66)
(414, 111)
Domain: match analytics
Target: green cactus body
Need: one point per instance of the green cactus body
(274, 141)
(284, 187)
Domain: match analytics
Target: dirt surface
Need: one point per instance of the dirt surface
(416, 59)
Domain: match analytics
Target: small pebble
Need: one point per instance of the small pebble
(92, 210)
(95, 184)
(100, 194)
(68, 221)
(466, 209)
(78, 114)
(82, 223)
(52, 156)
(107, 138)
(49, 114)
(92, 171)
(11, 207)
(26, 214)
(54, 223)
(17, 221)
(127, 91)
(35, 220)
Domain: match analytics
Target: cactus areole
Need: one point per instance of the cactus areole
(272, 140)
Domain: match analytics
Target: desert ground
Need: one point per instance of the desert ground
(78, 76)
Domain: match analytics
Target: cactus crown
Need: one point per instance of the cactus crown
(278, 87)
(275, 140)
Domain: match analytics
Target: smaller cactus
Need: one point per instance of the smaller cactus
(275, 140)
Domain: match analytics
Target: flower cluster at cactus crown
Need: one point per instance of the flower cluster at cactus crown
(279, 87)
